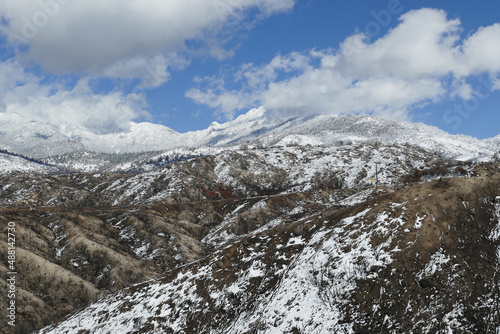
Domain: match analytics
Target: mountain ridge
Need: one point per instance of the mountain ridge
(42, 140)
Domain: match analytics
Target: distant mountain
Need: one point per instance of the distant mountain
(139, 138)
(39, 140)
(332, 130)
(34, 139)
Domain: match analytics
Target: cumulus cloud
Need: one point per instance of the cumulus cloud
(25, 94)
(481, 51)
(421, 60)
(152, 71)
(120, 37)
(224, 102)
(254, 79)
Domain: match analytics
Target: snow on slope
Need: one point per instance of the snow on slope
(140, 137)
(393, 265)
(255, 126)
(247, 172)
(11, 163)
(37, 139)
(301, 168)
(165, 306)
(331, 130)
(351, 165)
(33, 139)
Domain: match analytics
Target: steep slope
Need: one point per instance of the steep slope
(68, 258)
(424, 259)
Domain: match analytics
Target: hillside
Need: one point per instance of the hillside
(247, 222)
(257, 227)
(422, 259)
(229, 173)
(10, 163)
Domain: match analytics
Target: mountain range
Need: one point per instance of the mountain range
(324, 224)
(36, 139)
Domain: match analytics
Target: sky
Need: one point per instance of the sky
(187, 63)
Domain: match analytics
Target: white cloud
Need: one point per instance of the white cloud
(11, 74)
(481, 51)
(121, 37)
(254, 79)
(255, 75)
(420, 61)
(496, 83)
(461, 89)
(422, 44)
(26, 95)
(152, 72)
(218, 98)
(323, 91)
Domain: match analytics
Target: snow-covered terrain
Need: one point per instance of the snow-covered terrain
(40, 140)
(398, 263)
(11, 163)
(325, 224)
(233, 172)
(34, 139)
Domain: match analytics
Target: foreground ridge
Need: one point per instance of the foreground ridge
(423, 259)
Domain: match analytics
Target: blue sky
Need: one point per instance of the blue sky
(185, 64)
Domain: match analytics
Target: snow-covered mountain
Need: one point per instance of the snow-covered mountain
(247, 172)
(40, 140)
(34, 139)
(281, 234)
(332, 130)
